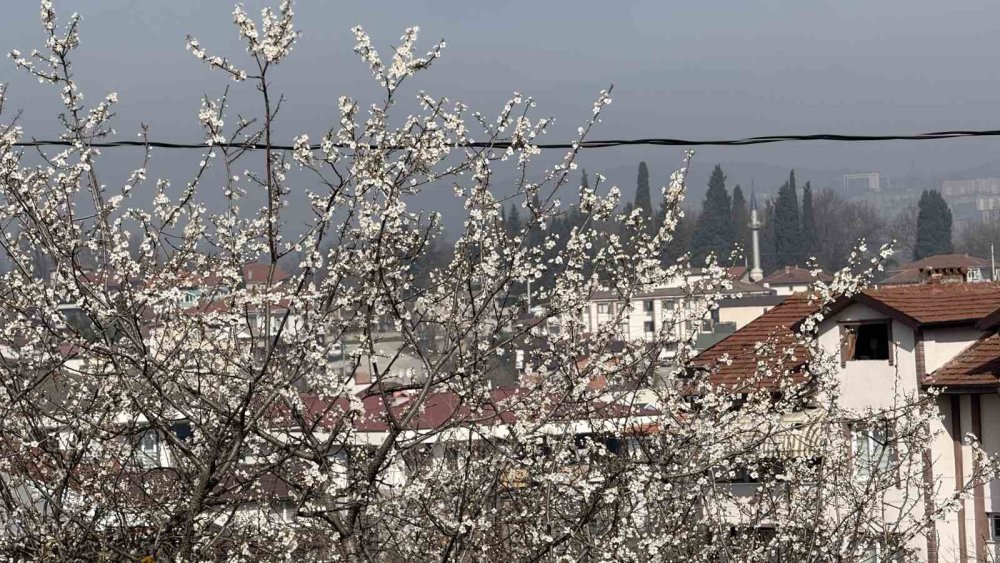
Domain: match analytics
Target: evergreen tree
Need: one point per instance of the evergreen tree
(642, 198)
(740, 220)
(787, 230)
(768, 253)
(809, 241)
(680, 244)
(513, 220)
(714, 231)
(933, 226)
(536, 236)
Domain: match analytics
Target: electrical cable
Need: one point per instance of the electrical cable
(666, 142)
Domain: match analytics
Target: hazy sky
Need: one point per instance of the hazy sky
(704, 69)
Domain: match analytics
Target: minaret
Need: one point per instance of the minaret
(756, 274)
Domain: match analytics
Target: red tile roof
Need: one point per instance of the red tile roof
(794, 275)
(739, 287)
(255, 272)
(947, 261)
(977, 365)
(910, 272)
(990, 321)
(778, 326)
(440, 410)
(932, 304)
(911, 275)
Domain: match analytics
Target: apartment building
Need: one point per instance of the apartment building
(648, 312)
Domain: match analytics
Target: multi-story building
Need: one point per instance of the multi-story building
(973, 201)
(898, 340)
(654, 309)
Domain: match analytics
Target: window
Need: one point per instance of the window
(648, 326)
(604, 308)
(668, 304)
(587, 447)
(285, 511)
(881, 552)
(647, 305)
(149, 449)
(994, 520)
(762, 539)
(182, 430)
(749, 475)
(741, 475)
(872, 451)
(865, 341)
(623, 329)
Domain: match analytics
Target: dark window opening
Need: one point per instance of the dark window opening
(994, 519)
(869, 341)
(182, 430)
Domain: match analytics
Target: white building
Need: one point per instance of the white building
(906, 339)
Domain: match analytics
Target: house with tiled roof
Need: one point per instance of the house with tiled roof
(890, 341)
(941, 267)
(793, 279)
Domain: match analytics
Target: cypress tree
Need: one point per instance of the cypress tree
(740, 220)
(933, 226)
(642, 197)
(513, 220)
(536, 237)
(644, 200)
(768, 254)
(787, 230)
(714, 231)
(808, 223)
(681, 243)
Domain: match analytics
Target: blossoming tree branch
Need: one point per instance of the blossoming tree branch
(179, 384)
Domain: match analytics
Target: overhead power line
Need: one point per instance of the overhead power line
(663, 142)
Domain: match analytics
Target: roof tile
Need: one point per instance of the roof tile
(777, 326)
(795, 275)
(928, 304)
(977, 365)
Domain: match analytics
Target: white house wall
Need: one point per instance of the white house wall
(872, 383)
(943, 344)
